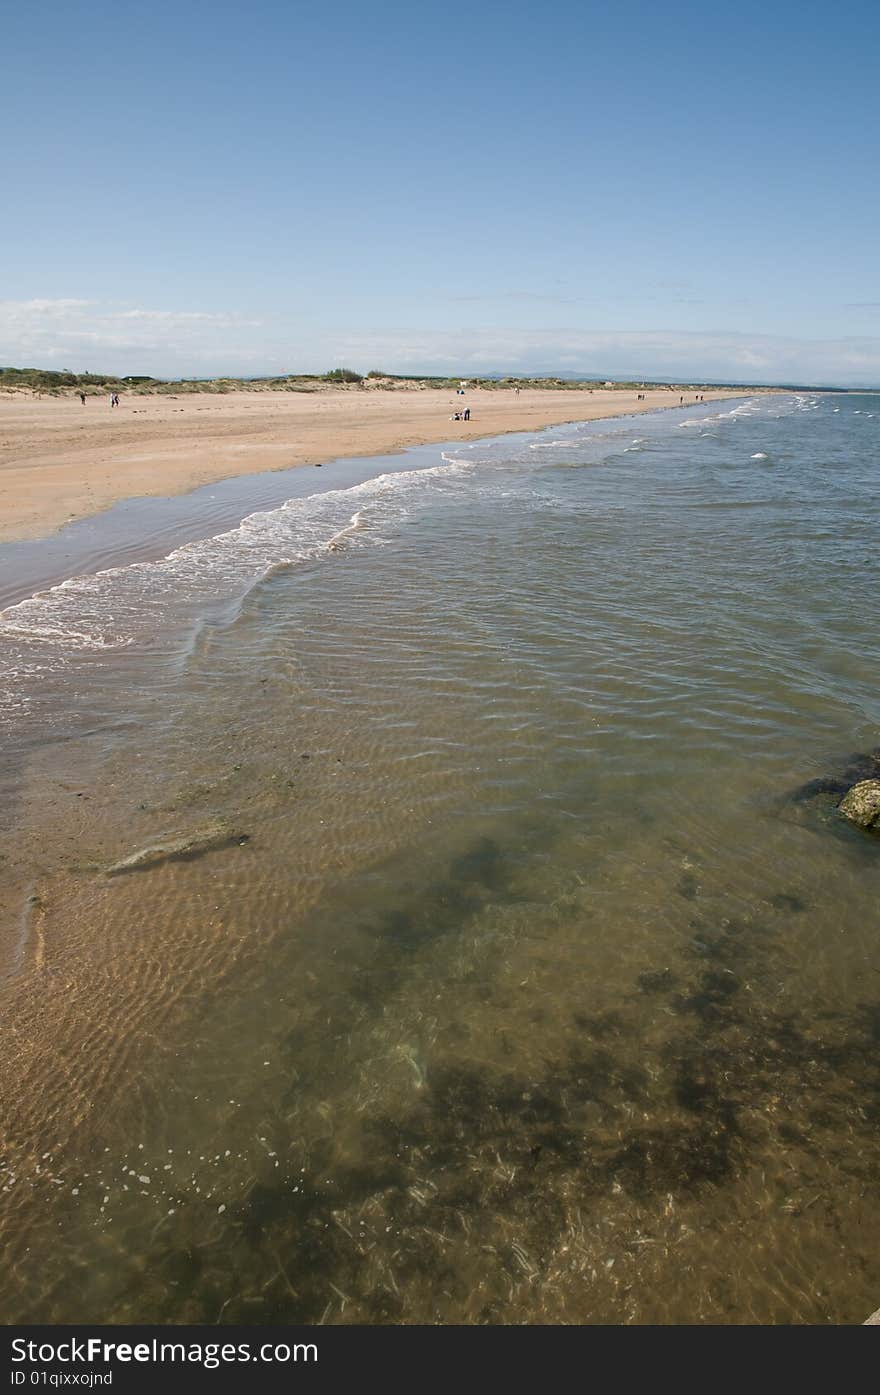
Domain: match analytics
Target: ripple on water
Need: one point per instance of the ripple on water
(531, 995)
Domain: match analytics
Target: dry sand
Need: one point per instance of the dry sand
(60, 460)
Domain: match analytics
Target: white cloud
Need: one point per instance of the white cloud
(19, 314)
(180, 317)
(81, 334)
(770, 358)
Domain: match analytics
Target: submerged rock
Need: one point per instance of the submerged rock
(186, 845)
(861, 766)
(861, 804)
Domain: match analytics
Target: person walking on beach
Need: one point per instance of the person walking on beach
(467, 413)
(82, 398)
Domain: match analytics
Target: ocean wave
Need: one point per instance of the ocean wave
(554, 445)
(152, 606)
(121, 605)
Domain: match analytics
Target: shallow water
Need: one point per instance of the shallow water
(510, 984)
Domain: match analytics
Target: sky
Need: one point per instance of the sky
(684, 190)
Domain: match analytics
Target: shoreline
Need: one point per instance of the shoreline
(61, 462)
(147, 527)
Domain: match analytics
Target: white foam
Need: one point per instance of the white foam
(120, 605)
(554, 445)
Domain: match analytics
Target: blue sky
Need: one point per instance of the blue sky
(652, 189)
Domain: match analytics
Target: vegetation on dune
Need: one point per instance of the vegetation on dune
(343, 375)
(64, 383)
(52, 380)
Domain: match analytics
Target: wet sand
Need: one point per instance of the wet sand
(60, 460)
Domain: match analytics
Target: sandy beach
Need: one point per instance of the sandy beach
(60, 460)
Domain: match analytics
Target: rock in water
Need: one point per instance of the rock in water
(863, 765)
(861, 804)
(184, 847)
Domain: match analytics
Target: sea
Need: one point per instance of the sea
(422, 891)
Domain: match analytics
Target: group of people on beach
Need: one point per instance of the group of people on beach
(642, 397)
(461, 416)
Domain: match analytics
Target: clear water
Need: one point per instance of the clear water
(511, 983)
